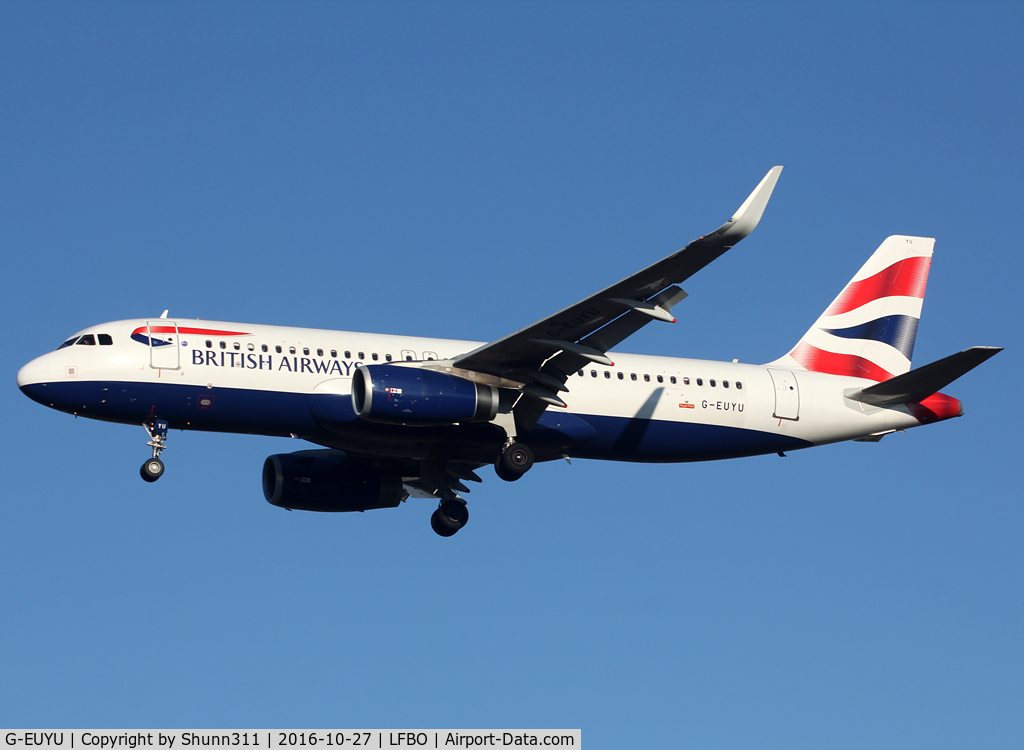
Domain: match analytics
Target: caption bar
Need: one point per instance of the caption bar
(274, 739)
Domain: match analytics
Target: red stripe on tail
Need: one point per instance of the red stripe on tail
(905, 278)
(817, 360)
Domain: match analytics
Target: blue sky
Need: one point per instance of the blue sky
(461, 170)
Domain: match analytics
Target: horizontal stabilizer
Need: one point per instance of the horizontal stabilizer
(917, 385)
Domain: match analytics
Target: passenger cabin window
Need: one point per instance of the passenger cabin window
(251, 347)
(739, 386)
(581, 373)
(277, 348)
(68, 343)
(672, 380)
(362, 356)
(319, 352)
(593, 373)
(237, 346)
(223, 345)
(632, 376)
(712, 382)
(209, 344)
(700, 381)
(621, 376)
(374, 356)
(686, 381)
(661, 379)
(387, 357)
(305, 350)
(334, 353)
(291, 350)
(725, 383)
(105, 339)
(87, 340)
(348, 355)
(607, 374)
(647, 378)
(264, 348)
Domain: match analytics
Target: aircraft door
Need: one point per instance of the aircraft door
(163, 344)
(787, 394)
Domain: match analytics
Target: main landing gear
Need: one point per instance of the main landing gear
(515, 460)
(450, 516)
(153, 469)
(441, 479)
(452, 513)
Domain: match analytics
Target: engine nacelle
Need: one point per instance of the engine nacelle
(327, 480)
(411, 396)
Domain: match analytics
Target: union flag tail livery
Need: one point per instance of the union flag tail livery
(869, 329)
(395, 417)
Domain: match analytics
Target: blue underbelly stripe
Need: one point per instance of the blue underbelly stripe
(275, 413)
(658, 441)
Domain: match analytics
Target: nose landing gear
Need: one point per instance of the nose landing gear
(153, 468)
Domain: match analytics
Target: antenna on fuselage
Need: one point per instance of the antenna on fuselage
(164, 314)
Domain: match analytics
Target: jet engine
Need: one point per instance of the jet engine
(411, 396)
(327, 480)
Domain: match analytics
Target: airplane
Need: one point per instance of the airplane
(399, 416)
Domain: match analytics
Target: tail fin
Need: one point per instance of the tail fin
(869, 329)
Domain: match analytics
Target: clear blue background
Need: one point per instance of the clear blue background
(461, 170)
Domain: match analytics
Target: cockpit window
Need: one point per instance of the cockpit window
(87, 340)
(105, 339)
(67, 343)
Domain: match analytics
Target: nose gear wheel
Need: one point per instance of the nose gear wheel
(153, 468)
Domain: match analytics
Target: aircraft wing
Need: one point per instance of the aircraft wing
(544, 354)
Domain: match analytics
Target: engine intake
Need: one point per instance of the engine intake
(329, 481)
(411, 396)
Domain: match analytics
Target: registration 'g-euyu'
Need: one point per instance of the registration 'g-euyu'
(399, 416)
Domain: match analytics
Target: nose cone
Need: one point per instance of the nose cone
(32, 378)
(36, 371)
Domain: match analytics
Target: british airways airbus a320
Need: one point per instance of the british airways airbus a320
(398, 416)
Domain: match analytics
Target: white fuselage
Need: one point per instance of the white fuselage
(235, 377)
